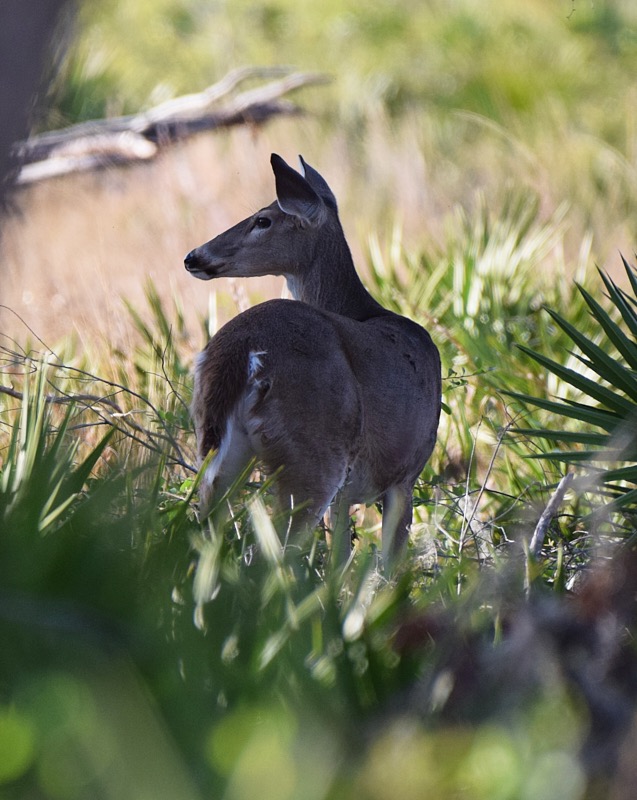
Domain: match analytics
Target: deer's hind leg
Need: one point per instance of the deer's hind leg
(397, 518)
(306, 497)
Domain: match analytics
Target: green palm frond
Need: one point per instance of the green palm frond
(603, 430)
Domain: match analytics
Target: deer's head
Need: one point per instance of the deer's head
(280, 239)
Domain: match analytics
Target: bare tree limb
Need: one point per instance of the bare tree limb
(139, 137)
(66, 399)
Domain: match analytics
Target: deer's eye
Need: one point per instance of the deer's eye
(262, 222)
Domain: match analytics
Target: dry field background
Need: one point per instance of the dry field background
(76, 246)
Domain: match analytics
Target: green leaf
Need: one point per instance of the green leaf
(568, 456)
(625, 346)
(632, 275)
(603, 395)
(624, 500)
(576, 437)
(569, 408)
(605, 365)
(622, 301)
(622, 474)
(52, 511)
(82, 472)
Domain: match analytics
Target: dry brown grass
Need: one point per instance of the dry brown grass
(77, 245)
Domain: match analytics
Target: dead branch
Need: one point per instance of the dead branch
(139, 137)
(91, 399)
(537, 541)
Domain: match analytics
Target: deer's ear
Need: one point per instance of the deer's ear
(318, 183)
(294, 194)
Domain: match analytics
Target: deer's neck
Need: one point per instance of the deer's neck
(330, 282)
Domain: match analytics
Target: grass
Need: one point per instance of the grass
(146, 653)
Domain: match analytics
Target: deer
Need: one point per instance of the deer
(331, 392)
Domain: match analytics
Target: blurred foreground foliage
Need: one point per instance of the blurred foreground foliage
(146, 654)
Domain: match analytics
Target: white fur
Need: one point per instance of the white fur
(199, 359)
(217, 462)
(199, 362)
(254, 363)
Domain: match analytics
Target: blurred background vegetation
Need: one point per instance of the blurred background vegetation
(484, 158)
(501, 59)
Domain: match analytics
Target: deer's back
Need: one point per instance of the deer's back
(315, 385)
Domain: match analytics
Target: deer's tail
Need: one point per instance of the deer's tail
(221, 376)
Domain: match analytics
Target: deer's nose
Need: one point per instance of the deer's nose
(190, 261)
